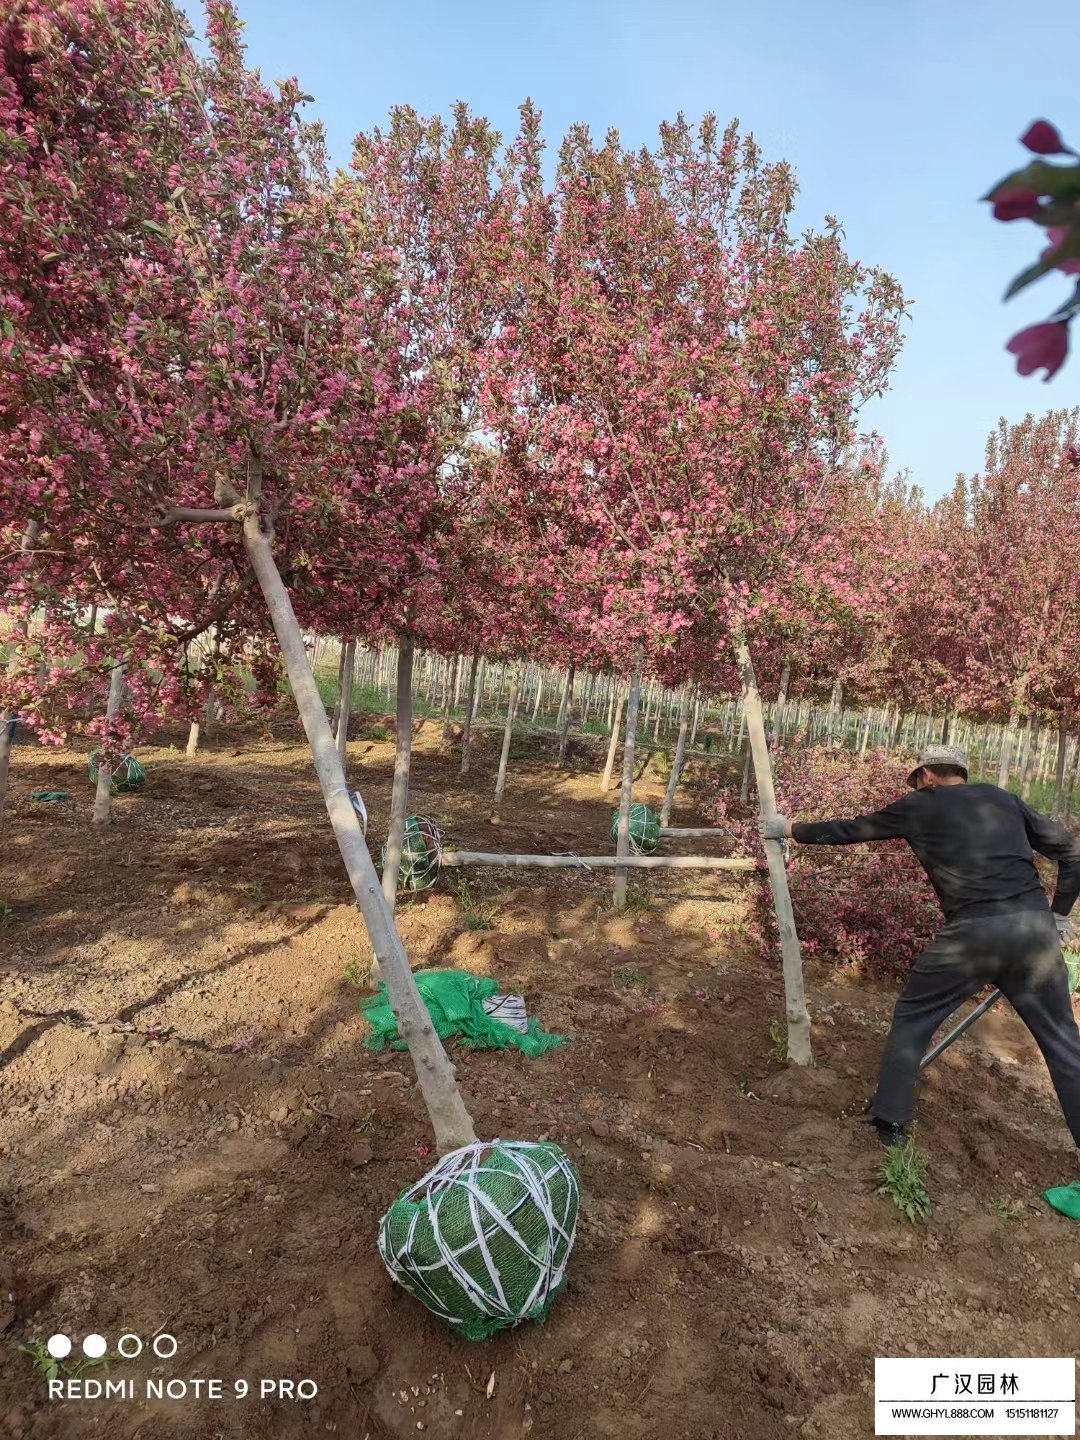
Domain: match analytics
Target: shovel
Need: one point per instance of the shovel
(1072, 965)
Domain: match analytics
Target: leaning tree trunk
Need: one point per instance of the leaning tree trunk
(103, 794)
(348, 664)
(450, 1120)
(677, 763)
(508, 733)
(466, 733)
(605, 779)
(622, 847)
(399, 800)
(798, 1019)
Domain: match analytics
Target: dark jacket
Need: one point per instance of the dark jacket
(975, 842)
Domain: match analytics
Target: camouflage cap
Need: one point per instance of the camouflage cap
(941, 755)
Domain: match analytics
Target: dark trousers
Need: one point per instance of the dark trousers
(1020, 953)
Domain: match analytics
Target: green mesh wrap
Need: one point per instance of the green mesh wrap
(421, 854)
(455, 1002)
(1066, 1199)
(128, 775)
(483, 1239)
(1072, 964)
(644, 829)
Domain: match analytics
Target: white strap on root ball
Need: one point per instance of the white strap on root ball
(484, 1238)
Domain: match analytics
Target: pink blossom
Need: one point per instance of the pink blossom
(1042, 138)
(1016, 203)
(1040, 347)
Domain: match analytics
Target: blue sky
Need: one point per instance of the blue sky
(896, 115)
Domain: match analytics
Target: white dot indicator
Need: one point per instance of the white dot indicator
(59, 1346)
(95, 1346)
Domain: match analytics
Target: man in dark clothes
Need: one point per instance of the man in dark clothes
(976, 844)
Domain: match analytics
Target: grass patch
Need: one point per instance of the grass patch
(1006, 1209)
(475, 914)
(357, 974)
(51, 1368)
(628, 977)
(903, 1177)
(778, 1048)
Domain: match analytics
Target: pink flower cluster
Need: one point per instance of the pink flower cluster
(1049, 195)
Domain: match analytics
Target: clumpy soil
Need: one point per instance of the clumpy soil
(194, 1140)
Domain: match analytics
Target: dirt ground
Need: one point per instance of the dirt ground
(194, 1140)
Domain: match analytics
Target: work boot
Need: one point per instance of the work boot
(890, 1134)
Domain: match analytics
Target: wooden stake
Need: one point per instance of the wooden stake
(798, 1019)
(601, 862)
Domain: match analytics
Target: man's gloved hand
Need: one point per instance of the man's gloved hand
(1065, 928)
(776, 827)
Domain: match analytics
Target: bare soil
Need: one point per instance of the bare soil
(194, 1140)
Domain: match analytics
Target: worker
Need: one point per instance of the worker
(976, 844)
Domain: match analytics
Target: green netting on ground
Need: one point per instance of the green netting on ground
(1066, 1199)
(644, 829)
(421, 854)
(1072, 964)
(455, 1002)
(49, 795)
(483, 1239)
(128, 775)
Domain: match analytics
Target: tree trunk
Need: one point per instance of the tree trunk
(622, 847)
(605, 782)
(1031, 740)
(566, 714)
(744, 788)
(450, 1120)
(28, 541)
(1059, 769)
(7, 723)
(1008, 740)
(399, 800)
(103, 794)
(450, 699)
(676, 764)
(564, 705)
(340, 689)
(348, 662)
(508, 734)
(478, 687)
(834, 709)
(539, 694)
(466, 733)
(698, 701)
(1073, 774)
(781, 704)
(192, 740)
(91, 624)
(798, 1019)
